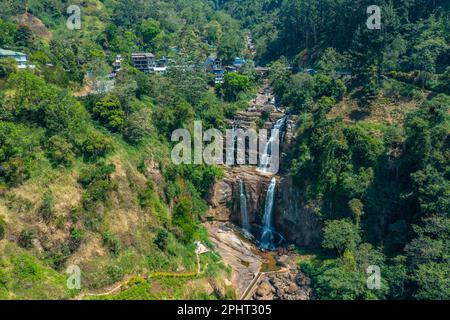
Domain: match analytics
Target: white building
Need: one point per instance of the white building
(21, 58)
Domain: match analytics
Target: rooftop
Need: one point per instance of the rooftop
(4, 52)
(142, 54)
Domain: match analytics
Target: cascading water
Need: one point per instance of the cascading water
(243, 205)
(266, 158)
(268, 234)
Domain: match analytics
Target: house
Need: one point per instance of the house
(161, 63)
(144, 62)
(213, 64)
(231, 69)
(21, 58)
(239, 62)
(117, 64)
(219, 76)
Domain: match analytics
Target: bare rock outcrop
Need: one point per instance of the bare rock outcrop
(224, 196)
(296, 219)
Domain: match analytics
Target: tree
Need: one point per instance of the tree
(137, 126)
(340, 235)
(357, 209)
(60, 151)
(182, 218)
(109, 112)
(96, 145)
(24, 36)
(230, 47)
(7, 67)
(149, 30)
(213, 31)
(7, 33)
(234, 85)
(331, 61)
(429, 258)
(17, 146)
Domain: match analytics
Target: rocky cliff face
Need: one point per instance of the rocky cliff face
(224, 197)
(296, 220)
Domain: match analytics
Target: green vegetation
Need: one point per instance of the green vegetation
(86, 175)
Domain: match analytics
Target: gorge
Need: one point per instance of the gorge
(252, 208)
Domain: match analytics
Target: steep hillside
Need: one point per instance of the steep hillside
(88, 181)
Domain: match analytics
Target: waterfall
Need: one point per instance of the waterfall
(267, 238)
(266, 158)
(243, 205)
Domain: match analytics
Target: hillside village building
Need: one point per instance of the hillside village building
(21, 58)
(214, 66)
(144, 62)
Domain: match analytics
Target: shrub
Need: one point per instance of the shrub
(60, 151)
(100, 172)
(26, 238)
(137, 127)
(76, 238)
(96, 145)
(14, 171)
(7, 67)
(111, 242)
(182, 218)
(99, 190)
(96, 180)
(161, 239)
(115, 273)
(46, 209)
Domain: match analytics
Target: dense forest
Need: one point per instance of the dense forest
(86, 178)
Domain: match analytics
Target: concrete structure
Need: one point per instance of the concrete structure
(117, 64)
(239, 62)
(145, 62)
(212, 64)
(219, 76)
